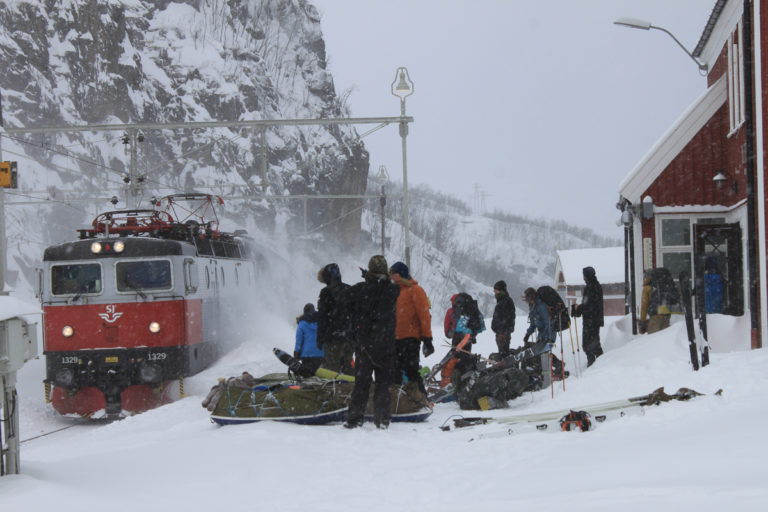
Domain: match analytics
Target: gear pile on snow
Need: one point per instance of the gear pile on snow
(312, 400)
(489, 388)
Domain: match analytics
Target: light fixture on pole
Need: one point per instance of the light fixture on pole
(382, 178)
(402, 87)
(647, 25)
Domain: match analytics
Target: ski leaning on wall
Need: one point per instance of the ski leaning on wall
(685, 300)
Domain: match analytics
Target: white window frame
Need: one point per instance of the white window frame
(693, 218)
(736, 78)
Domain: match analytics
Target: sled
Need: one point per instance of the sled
(310, 401)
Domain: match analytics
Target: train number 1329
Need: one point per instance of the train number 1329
(157, 356)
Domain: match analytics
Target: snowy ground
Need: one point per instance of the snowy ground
(703, 455)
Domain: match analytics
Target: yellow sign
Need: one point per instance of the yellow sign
(111, 359)
(8, 175)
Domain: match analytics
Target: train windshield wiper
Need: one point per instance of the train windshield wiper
(135, 288)
(83, 288)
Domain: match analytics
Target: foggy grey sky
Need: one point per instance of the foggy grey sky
(545, 104)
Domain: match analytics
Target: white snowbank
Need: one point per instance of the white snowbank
(704, 455)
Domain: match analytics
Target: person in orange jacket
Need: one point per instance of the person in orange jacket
(413, 325)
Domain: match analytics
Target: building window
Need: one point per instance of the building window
(736, 78)
(676, 232)
(676, 247)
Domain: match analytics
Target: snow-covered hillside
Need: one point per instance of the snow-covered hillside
(705, 455)
(78, 63)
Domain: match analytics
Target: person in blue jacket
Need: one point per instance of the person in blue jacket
(306, 348)
(538, 318)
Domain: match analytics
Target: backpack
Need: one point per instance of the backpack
(665, 297)
(339, 316)
(557, 310)
(465, 305)
(488, 388)
(574, 420)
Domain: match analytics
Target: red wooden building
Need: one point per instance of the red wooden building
(698, 197)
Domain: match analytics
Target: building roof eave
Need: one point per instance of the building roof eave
(717, 10)
(673, 141)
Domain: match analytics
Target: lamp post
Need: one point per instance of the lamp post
(647, 25)
(402, 87)
(382, 178)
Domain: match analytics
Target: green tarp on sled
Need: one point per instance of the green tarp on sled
(313, 400)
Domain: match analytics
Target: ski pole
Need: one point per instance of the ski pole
(576, 328)
(562, 360)
(551, 380)
(487, 360)
(573, 350)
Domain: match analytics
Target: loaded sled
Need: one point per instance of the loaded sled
(288, 397)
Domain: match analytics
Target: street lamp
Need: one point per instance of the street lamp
(382, 178)
(647, 25)
(402, 87)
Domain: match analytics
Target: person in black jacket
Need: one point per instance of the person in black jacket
(591, 308)
(503, 323)
(374, 314)
(333, 327)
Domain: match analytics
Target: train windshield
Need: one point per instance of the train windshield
(137, 276)
(76, 279)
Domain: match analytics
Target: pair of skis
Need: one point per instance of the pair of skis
(694, 345)
(607, 409)
(555, 424)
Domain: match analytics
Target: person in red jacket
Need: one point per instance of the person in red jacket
(449, 323)
(413, 325)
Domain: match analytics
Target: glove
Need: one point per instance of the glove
(427, 349)
(525, 338)
(642, 327)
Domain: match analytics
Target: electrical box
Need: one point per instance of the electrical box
(18, 344)
(8, 175)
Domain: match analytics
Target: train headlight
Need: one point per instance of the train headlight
(119, 246)
(65, 377)
(150, 373)
(154, 327)
(67, 331)
(96, 247)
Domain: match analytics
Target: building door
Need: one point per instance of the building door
(718, 268)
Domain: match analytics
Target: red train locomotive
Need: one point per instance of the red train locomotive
(137, 303)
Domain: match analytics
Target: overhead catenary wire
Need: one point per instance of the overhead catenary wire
(54, 150)
(60, 167)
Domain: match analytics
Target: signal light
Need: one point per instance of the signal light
(8, 175)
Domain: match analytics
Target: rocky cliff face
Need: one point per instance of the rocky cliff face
(85, 62)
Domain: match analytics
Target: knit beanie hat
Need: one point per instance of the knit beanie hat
(501, 286)
(377, 265)
(400, 268)
(529, 294)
